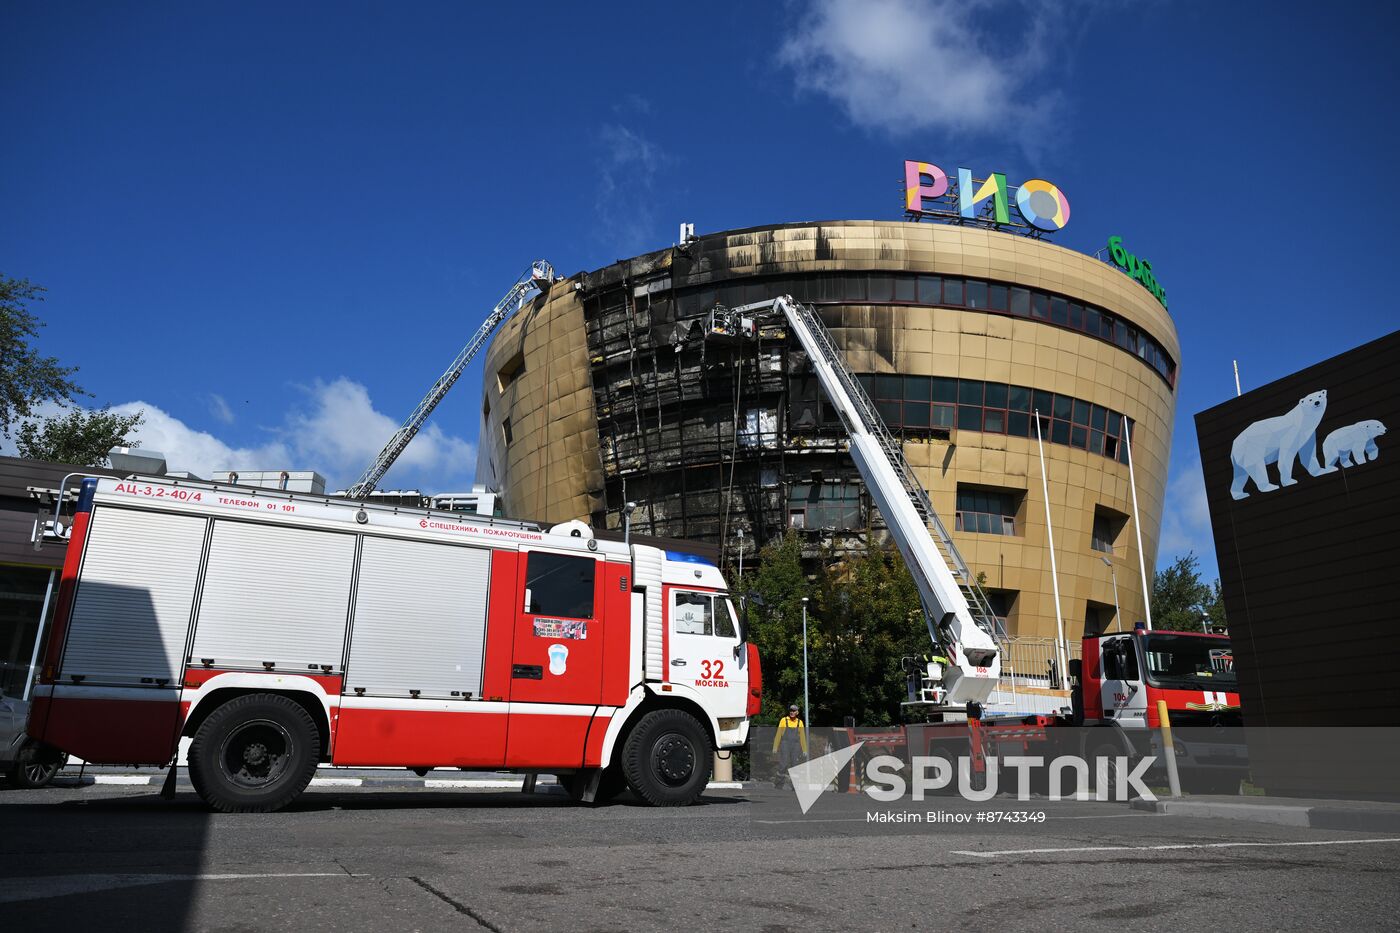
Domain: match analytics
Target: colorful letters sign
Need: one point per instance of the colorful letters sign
(1042, 206)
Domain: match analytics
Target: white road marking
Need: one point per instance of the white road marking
(482, 784)
(1051, 819)
(29, 889)
(1176, 846)
(120, 779)
(337, 782)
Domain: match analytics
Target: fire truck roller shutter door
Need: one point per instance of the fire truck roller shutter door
(420, 619)
(260, 604)
(125, 634)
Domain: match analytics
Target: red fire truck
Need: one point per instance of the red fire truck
(283, 631)
(1114, 693)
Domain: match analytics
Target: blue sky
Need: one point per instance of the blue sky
(271, 228)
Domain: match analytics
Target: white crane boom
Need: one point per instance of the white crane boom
(539, 277)
(946, 589)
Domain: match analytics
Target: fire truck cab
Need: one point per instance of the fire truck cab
(281, 632)
(1124, 675)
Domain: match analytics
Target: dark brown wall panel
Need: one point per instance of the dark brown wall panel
(1311, 572)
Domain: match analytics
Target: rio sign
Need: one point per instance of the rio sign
(1041, 205)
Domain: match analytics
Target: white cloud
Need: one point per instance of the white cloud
(1186, 520)
(219, 409)
(627, 170)
(904, 66)
(337, 433)
(199, 452)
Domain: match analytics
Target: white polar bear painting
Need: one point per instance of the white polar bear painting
(1281, 440)
(1352, 445)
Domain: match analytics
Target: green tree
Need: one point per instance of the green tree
(27, 379)
(863, 616)
(1181, 600)
(871, 619)
(775, 622)
(79, 437)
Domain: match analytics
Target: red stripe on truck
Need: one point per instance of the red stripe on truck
(420, 738)
(114, 732)
(544, 740)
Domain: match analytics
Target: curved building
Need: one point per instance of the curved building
(604, 391)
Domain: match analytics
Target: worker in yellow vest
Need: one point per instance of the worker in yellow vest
(790, 743)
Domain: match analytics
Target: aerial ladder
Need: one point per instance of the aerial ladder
(960, 619)
(536, 279)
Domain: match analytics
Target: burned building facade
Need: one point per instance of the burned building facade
(606, 390)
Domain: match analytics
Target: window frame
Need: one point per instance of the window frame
(531, 584)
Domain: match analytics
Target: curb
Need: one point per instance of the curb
(1356, 819)
(387, 782)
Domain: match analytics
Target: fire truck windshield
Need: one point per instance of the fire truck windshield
(1189, 662)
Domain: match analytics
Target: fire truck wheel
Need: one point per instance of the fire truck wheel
(666, 758)
(254, 754)
(1111, 751)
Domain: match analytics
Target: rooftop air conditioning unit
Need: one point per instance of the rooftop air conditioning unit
(135, 460)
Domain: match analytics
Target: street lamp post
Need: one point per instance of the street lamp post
(806, 705)
(1117, 613)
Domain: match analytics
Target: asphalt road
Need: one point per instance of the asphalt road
(121, 858)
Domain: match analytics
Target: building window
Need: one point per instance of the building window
(1108, 525)
(987, 511)
(22, 594)
(1001, 603)
(559, 585)
(825, 505)
(906, 288)
(510, 370)
(507, 434)
(760, 428)
(933, 404)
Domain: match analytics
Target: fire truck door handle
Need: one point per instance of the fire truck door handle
(678, 662)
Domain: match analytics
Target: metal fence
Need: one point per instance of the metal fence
(1032, 662)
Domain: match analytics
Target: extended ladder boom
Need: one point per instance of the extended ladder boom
(540, 275)
(934, 562)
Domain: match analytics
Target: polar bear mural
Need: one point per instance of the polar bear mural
(1352, 445)
(1280, 440)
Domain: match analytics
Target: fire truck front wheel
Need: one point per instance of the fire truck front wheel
(254, 754)
(666, 758)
